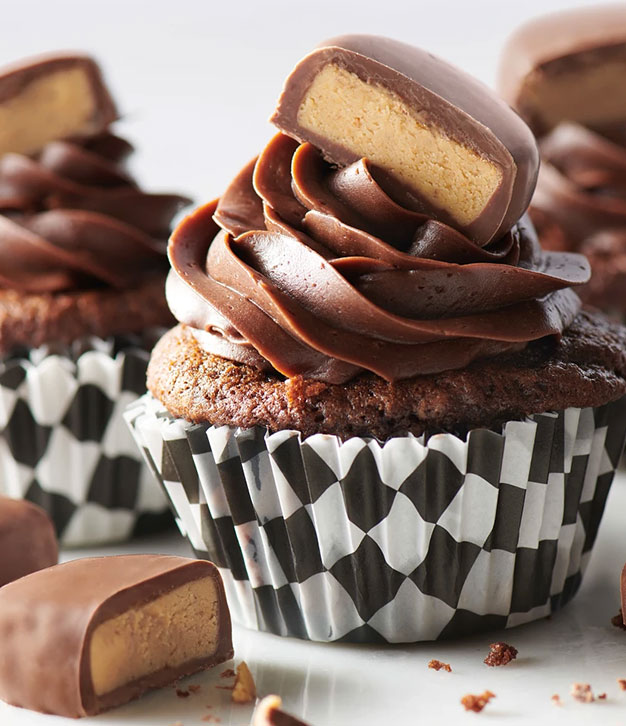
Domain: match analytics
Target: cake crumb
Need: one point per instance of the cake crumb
(602, 697)
(476, 703)
(182, 693)
(228, 673)
(556, 699)
(244, 690)
(621, 682)
(500, 654)
(438, 665)
(618, 621)
(582, 692)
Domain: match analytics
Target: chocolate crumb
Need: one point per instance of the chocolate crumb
(244, 690)
(228, 673)
(556, 699)
(621, 682)
(618, 621)
(438, 665)
(582, 692)
(181, 693)
(476, 703)
(500, 654)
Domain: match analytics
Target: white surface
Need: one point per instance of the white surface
(196, 80)
(341, 685)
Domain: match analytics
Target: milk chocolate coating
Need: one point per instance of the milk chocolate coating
(465, 109)
(48, 618)
(72, 218)
(15, 78)
(623, 594)
(27, 539)
(268, 713)
(318, 272)
(551, 44)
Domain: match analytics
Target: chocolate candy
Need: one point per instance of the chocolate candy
(95, 633)
(440, 141)
(51, 98)
(567, 66)
(268, 713)
(27, 539)
(623, 593)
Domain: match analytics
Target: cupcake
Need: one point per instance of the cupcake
(82, 271)
(564, 74)
(383, 413)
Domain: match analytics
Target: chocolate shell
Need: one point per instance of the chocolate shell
(567, 66)
(440, 142)
(95, 633)
(51, 97)
(27, 539)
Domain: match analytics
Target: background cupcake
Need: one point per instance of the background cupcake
(564, 74)
(383, 421)
(82, 268)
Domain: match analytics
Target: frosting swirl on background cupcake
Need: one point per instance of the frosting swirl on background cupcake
(318, 272)
(71, 218)
(582, 184)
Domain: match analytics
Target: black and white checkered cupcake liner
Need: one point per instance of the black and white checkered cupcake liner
(64, 443)
(399, 542)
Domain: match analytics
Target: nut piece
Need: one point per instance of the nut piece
(268, 713)
(500, 654)
(582, 692)
(244, 690)
(438, 665)
(476, 703)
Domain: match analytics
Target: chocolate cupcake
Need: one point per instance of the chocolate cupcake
(82, 272)
(382, 416)
(564, 74)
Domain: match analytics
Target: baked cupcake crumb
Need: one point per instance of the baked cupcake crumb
(500, 654)
(437, 665)
(476, 703)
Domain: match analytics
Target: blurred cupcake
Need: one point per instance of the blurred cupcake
(381, 425)
(82, 271)
(564, 74)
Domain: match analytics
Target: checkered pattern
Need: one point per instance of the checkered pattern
(406, 541)
(65, 446)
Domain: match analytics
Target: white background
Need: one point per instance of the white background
(197, 79)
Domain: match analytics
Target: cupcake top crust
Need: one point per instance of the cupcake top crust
(319, 269)
(77, 231)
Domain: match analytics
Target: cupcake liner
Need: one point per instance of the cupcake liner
(404, 541)
(64, 443)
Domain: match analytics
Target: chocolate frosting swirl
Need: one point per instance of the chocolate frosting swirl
(317, 272)
(582, 185)
(72, 218)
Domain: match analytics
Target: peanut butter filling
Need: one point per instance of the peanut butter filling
(375, 123)
(57, 105)
(167, 632)
(590, 96)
